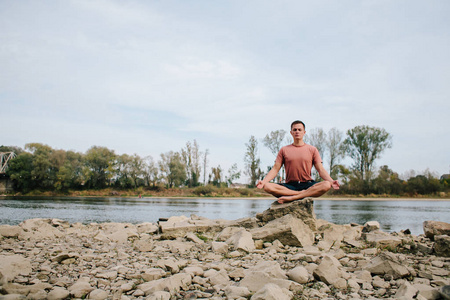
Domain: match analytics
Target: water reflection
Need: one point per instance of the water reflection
(392, 215)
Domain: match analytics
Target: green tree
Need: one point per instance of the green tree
(173, 168)
(122, 170)
(192, 159)
(136, 169)
(43, 170)
(364, 145)
(317, 138)
(216, 174)
(19, 172)
(335, 150)
(150, 171)
(99, 167)
(252, 161)
(70, 173)
(425, 184)
(387, 182)
(274, 141)
(233, 174)
(205, 164)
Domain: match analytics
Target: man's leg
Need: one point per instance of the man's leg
(316, 190)
(278, 190)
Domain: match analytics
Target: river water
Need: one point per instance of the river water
(392, 215)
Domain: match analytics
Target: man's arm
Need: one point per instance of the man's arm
(271, 175)
(325, 176)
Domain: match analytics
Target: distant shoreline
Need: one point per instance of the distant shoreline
(243, 197)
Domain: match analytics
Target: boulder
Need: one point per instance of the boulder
(444, 291)
(433, 228)
(159, 295)
(441, 245)
(119, 232)
(171, 284)
(406, 291)
(384, 264)
(9, 231)
(176, 227)
(288, 229)
(152, 274)
(147, 227)
(328, 270)
(266, 272)
(371, 226)
(81, 288)
(235, 292)
(299, 274)
(219, 247)
(58, 293)
(272, 291)
(255, 280)
(242, 240)
(40, 229)
(247, 223)
(301, 209)
(426, 291)
(381, 239)
(98, 294)
(272, 268)
(13, 265)
(226, 233)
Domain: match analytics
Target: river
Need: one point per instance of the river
(393, 215)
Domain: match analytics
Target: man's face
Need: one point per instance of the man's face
(297, 131)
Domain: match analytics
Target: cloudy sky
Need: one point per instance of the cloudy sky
(146, 77)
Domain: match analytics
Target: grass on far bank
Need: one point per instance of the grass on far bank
(205, 191)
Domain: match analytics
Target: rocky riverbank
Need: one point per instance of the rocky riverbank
(282, 253)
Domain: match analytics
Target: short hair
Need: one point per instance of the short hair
(298, 122)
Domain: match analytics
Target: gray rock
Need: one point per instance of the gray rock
(299, 274)
(236, 292)
(9, 231)
(371, 226)
(301, 209)
(433, 228)
(58, 293)
(81, 288)
(442, 245)
(98, 294)
(328, 270)
(219, 247)
(242, 240)
(381, 239)
(288, 229)
(13, 265)
(383, 264)
(271, 291)
(444, 291)
(172, 284)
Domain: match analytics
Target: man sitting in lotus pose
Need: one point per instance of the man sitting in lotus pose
(298, 159)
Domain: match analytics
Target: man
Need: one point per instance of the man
(298, 159)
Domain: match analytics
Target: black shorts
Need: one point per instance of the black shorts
(299, 186)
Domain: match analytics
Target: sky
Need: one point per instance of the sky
(147, 77)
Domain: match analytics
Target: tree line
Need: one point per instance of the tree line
(40, 167)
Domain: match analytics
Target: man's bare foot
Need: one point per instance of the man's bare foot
(287, 199)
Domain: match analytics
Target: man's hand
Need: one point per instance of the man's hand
(335, 184)
(260, 184)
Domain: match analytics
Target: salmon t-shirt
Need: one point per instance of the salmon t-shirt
(298, 161)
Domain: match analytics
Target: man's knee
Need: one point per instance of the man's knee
(268, 187)
(325, 185)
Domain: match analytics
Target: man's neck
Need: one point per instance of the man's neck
(298, 142)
